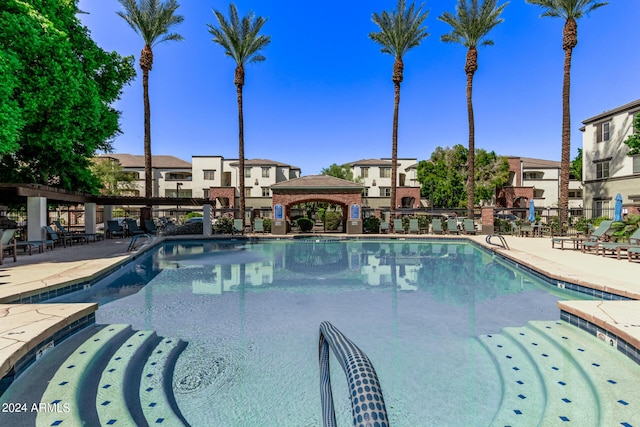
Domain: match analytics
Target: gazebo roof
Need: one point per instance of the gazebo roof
(317, 182)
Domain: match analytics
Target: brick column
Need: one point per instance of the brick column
(487, 219)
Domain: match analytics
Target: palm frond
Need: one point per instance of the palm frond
(153, 20)
(473, 21)
(400, 30)
(567, 9)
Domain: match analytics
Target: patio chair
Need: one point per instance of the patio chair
(595, 236)
(397, 225)
(469, 226)
(515, 230)
(78, 237)
(436, 226)
(452, 226)
(132, 227)
(238, 226)
(633, 253)
(114, 229)
(30, 245)
(414, 226)
(258, 225)
(57, 238)
(526, 227)
(8, 244)
(617, 247)
(384, 227)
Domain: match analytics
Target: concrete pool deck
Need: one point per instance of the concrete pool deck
(51, 270)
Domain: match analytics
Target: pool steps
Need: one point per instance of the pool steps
(563, 377)
(102, 381)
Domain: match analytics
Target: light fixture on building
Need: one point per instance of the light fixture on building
(373, 183)
(257, 183)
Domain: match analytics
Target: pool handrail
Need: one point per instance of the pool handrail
(134, 239)
(503, 241)
(367, 402)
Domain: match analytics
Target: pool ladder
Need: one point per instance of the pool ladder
(367, 403)
(134, 240)
(502, 243)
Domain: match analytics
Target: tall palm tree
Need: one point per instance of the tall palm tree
(471, 24)
(242, 42)
(570, 11)
(400, 30)
(152, 20)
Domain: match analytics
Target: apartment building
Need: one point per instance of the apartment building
(606, 168)
(537, 180)
(375, 175)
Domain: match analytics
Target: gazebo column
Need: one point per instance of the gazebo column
(37, 218)
(107, 214)
(90, 218)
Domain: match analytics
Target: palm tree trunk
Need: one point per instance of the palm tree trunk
(398, 69)
(570, 40)
(472, 147)
(241, 150)
(148, 178)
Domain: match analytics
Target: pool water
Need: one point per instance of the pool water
(250, 313)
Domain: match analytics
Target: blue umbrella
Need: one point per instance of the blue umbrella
(617, 212)
(532, 212)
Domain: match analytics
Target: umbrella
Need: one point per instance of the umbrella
(532, 212)
(617, 211)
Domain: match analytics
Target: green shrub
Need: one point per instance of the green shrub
(332, 220)
(305, 224)
(223, 225)
(193, 215)
(266, 224)
(371, 224)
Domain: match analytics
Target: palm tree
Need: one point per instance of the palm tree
(400, 30)
(471, 24)
(570, 11)
(242, 42)
(152, 20)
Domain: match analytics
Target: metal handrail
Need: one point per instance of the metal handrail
(135, 238)
(367, 403)
(502, 243)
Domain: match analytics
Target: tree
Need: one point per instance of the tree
(633, 140)
(570, 11)
(472, 23)
(400, 31)
(242, 41)
(445, 175)
(57, 88)
(114, 180)
(153, 21)
(342, 172)
(576, 166)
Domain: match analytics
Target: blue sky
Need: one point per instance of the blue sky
(324, 94)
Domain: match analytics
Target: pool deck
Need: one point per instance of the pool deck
(24, 326)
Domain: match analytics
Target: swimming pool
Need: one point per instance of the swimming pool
(423, 311)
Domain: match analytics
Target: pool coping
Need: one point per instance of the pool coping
(587, 314)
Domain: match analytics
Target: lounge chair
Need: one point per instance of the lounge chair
(526, 227)
(617, 247)
(258, 225)
(633, 253)
(238, 226)
(597, 237)
(469, 226)
(57, 238)
(384, 227)
(397, 225)
(150, 226)
(436, 226)
(114, 229)
(414, 225)
(8, 244)
(452, 226)
(78, 237)
(580, 241)
(132, 227)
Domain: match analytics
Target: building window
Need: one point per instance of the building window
(602, 132)
(205, 193)
(602, 169)
(265, 172)
(600, 208)
(365, 192)
(247, 192)
(247, 172)
(385, 172)
(265, 192)
(209, 175)
(575, 194)
(364, 172)
(538, 194)
(385, 191)
(175, 176)
(636, 164)
(532, 175)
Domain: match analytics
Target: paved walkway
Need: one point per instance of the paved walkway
(32, 273)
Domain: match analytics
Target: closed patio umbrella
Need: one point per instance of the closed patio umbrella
(617, 211)
(532, 212)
